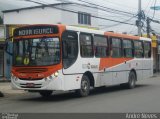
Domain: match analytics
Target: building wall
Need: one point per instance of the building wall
(1, 50)
(45, 15)
(1, 61)
(50, 15)
(72, 18)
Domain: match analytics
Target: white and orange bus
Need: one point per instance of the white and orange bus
(48, 58)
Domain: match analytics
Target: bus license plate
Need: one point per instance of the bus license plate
(30, 85)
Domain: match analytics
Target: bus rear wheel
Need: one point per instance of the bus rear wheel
(85, 87)
(45, 94)
(131, 80)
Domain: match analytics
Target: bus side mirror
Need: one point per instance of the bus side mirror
(8, 46)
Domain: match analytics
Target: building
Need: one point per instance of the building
(2, 42)
(155, 51)
(61, 13)
(158, 50)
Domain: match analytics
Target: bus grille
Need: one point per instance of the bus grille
(27, 79)
(31, 70)
(34, 86)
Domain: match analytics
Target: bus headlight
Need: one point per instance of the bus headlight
(56, 73)
(14, 77)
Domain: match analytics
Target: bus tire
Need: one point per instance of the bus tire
(46, 94)
(85, 87)
(131, 80)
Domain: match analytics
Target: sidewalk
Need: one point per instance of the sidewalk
(6, 89)
(156, 74)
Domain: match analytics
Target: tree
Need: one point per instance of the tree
(1, 20)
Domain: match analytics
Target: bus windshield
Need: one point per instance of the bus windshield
(36, 52)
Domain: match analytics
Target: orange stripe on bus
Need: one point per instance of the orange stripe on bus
(110, 62)
(125, 36)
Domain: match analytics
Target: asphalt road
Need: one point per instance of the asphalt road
(144, 98)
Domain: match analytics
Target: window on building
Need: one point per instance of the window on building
(101, 46)
(84, 18)
(116, 47)
(128, 48)
(147, 49)
(86, 45)
(138, 49)
(70, 48)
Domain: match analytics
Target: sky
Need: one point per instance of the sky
(130, 6)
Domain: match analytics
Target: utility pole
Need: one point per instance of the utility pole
(148, 27)
(148, 21)
(139, 17)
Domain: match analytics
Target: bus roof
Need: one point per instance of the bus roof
(93, 31)
(145, 39)
(87, 30)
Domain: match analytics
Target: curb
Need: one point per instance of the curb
(3, 81)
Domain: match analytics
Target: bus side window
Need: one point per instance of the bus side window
(116, 47)
(86, 45)
(127, 48)
(101, 46)
(138, 49)
(69, 48)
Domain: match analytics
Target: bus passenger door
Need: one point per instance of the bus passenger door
(69, 51)
(69, 59)
(147, 63)
(139, 58)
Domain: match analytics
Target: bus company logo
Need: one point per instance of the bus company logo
(22, 74)
(94, 66)
(40, 75)
(86, 66)
(89, 66)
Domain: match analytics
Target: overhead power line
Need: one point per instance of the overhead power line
(102, 8)
(116, 24)
(118, 4)
(154, 9)
(107, 8)
(73, 11)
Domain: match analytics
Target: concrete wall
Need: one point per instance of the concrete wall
(33, 16)
(50, 15)
(72, 18)
(2, 28)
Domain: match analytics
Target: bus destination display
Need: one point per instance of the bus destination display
(36, 30)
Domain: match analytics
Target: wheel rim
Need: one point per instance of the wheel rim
(132, 80)
(84, 86)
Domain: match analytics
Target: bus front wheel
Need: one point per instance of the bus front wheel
(85, 87)
(45, 94)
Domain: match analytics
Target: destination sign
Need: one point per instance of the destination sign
(35, 30)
